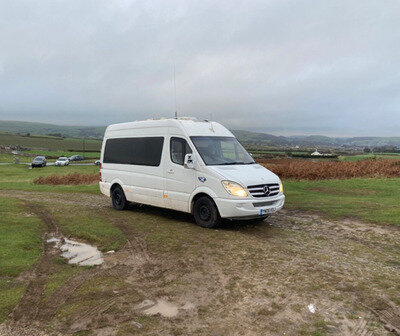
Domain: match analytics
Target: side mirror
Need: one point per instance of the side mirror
(189, 161)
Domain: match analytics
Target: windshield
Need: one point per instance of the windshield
(221, 151)
(62, 159)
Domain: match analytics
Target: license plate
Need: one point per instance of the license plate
(267, 211)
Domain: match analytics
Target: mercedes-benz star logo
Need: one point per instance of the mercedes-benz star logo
(266, 190)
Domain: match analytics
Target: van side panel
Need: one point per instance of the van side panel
(142, 184)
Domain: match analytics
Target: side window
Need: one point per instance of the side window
(134, 151)
(179, 148)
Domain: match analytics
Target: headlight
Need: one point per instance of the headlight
(234, 189)
(280, 187)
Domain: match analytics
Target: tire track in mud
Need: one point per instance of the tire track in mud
(389, 315)
(29, 305)
(32, 306)
(132, 268)
(136, 245)
(361, 328)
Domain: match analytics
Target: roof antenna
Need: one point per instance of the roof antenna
(176, 106)
(211, 124)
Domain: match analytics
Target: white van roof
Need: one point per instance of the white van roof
(190, 126)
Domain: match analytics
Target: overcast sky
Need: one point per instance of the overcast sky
(283, 67)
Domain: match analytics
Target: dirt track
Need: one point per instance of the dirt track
(243, 279)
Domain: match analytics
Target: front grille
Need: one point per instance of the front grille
(262, 204)
(258, 190)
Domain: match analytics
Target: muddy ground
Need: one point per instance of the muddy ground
(293, 274)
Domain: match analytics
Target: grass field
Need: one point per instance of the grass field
(20, 177)
(359, 157)
(47, 142)
(374, 200)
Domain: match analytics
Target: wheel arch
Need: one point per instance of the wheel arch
(200, 192)
(114, 184)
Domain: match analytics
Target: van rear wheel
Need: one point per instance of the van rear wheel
(206, 213)
(118, 198)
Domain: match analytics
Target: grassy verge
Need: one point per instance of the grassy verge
(20, 248)
(374, 200)
(20, 177)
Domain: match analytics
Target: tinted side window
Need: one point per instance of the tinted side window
(179, 148)
(134, 151)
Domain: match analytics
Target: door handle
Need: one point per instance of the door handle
(171, 171)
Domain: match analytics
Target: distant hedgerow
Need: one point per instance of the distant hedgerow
(73, 179)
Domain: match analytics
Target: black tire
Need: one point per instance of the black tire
(118, 198)
(206, 213)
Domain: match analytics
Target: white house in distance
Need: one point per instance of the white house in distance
(316, 153)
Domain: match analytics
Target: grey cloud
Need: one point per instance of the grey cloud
(285, 67)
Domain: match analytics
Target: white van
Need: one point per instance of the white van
(193, 166)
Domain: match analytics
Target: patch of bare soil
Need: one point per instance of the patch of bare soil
(174, 278)
(69, 179)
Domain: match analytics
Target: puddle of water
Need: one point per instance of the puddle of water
(78, 253)
(163, 308)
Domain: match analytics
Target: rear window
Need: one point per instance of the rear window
(135, 151)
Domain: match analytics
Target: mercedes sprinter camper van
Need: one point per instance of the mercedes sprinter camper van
(183, 164)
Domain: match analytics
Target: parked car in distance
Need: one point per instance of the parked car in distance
(39, 161)
(62, 161)
(76, 158)
(198, 167)
(97, 163)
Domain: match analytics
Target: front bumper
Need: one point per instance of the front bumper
(249, 208)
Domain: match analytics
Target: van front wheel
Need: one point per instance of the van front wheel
(206, 213)
(119, 201)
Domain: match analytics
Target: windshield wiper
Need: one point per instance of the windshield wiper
(230, 163)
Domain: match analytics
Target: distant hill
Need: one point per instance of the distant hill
(245, 137)
(263, 139)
